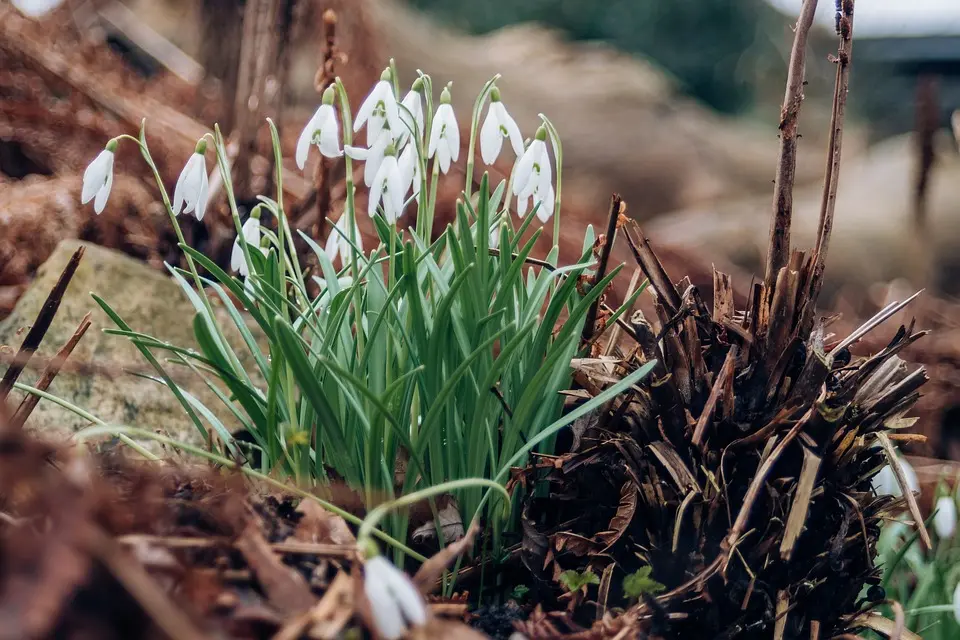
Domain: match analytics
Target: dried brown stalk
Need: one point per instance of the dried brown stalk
(616, 209)
(779, 249)
(40, 325)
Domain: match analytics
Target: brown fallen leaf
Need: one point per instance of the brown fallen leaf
(430, 571)
(321, 526)
(286, 589)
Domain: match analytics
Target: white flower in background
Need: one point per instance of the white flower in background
(380, 110)
(394, 600)
(532, 172)
(411, 111)
(945, 522)
(338, 243)
(388, 188)
(251, 233)
(372, 156)
(98, 178)
(322, 130)
(885, 482)
(410, 170)
(445, 134)
(190, 195)
(498, 125)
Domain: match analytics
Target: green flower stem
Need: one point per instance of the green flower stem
(350, 209)
(145, 152)
(86, 415)
(369, 524)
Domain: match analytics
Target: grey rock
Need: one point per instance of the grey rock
(150, 302)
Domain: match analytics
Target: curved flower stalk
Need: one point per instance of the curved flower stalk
(190, 194)
(98, 178)
(445, 134)
(322, 130)
(498, 125)
(379, 111)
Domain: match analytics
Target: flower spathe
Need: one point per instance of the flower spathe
(945, 522)
(395, 603)
(190, 194)
(498, 125)
(251, 233)
(379, 110)
(322, 130)
(338, 242)
(444, 134)
(387, 188)
(98, 178)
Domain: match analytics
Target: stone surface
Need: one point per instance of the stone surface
(150, 302)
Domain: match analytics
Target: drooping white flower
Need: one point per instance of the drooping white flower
(444, 134)
(498, 125)
(98, 178)
(190, 195)
(251, 233)
(380, 110)
(885, 482)
(543, 196)
(410, 170)
(411, 112)
(533, 167)
(945, 522)
(338, 242)
(387, 188)
(394, 600)
(322, 130)
(372, 156)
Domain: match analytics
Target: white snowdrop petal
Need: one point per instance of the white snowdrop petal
(386, 612)
(491, 140)
(945, 522)
(366, 109)
(356, 153)
(101, 200)
(524, 169)
(407, 596)
(513, 131)
(435, 130)
(453, 135)
(204, 189)
(95, 175)
(376, 191)
(330, 139)
(395, 188)
(236, 255)
(443, 156)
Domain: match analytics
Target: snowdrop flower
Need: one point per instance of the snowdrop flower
(251, 233)
(372, 156)
(532, 170)
(498, 125)
(945, 522)
(380, 110)
(885, 482)
(98, 178)
(338, 243)
(411, 112)
(387, 187)
(445, 134)
(546, 200)
(191, 187)
(410, 170)
(394, 600)
(322, 130)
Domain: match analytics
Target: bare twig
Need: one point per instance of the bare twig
(779, 250)
(326, 73)
(49, 373)
(616, 208)
(653, 269)
(831, 178)
(40, 325)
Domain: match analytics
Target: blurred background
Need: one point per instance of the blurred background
(675, 105)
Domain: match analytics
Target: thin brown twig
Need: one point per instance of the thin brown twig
(616, 208)
(326, 73)
(831, 180)
(40, 325)
(778, 253)
(50, 372)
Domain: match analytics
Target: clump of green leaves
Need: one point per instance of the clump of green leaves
(574, 581)
(639, 583)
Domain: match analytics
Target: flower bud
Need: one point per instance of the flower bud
(541, 133)
(201, 147)
(445, 95)
(387, 75)
(112, 145)
(494, 94)
(328, 96)
(417, 84)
